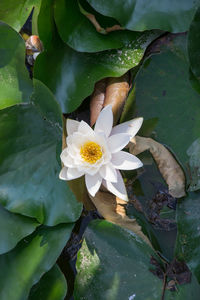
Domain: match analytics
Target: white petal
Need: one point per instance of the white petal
(35, 55)
(130, 127)
(93, 183)
(67, 159)
(105, 121)
(71, 126)
(118, 188)
(73, 173)
(84, 128)
(117, 142)
(108, 172)
(63, 173)
(125, 161)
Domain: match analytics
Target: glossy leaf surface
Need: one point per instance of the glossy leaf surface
(188, 240)
(16, 14)
(114, 264)
(169, 104)
(173, 16)
(75, 74)
(52, 286)
(194, 44)
(13, 228)
(15, 84)
(22, 267)
(30, 145)
(79, 33)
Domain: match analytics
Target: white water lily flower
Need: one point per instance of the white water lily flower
(97, 153)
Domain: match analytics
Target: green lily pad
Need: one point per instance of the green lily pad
(16, 15)
(194, 163)
(148, 188)
(15, 84)
(52, 286)
(168, 103)
(22, 267)
(188, 239)
(75, 74)
(194, 44)
(114, 264)
(79, 33)
(140, 15)
(13, 228)
(46, 25)
(30, 145)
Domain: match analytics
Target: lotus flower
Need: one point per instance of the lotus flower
(97, 153)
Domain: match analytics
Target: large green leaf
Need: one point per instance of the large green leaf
(75, 73)
(30, 145)
(80, 34)
(22, 267)
(46, 24)
(188, 239)
(15, 13)
(13, 228)
(168, 103)
(52, 286)
(114, 264)
(148, 188)
(15, 84)
(194, 44)
(194, 163)
(174, 16)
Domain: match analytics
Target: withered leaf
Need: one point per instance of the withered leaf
(167, 164)
(113, 209)
(107, 91)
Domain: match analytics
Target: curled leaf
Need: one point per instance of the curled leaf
(116, 93)
(97, 100)
(113, 209)
(167, 164)
(112, 91)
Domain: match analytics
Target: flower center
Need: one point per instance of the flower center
(91, 152)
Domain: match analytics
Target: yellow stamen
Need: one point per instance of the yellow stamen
(91, 152)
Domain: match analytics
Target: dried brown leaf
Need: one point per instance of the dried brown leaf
(107, 91)
(113, 209)
(167, 164)
(116, 93)
(97, 100)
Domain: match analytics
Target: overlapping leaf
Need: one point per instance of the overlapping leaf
(141, 15)
(78, 32)
(52, 286)
(188, 240)
(13, 228)
(75, 74)
(30, 145)
(22, 267)
(15, 84)
(169, 104)
(16, 15)
(114, 264)
(194, 44)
